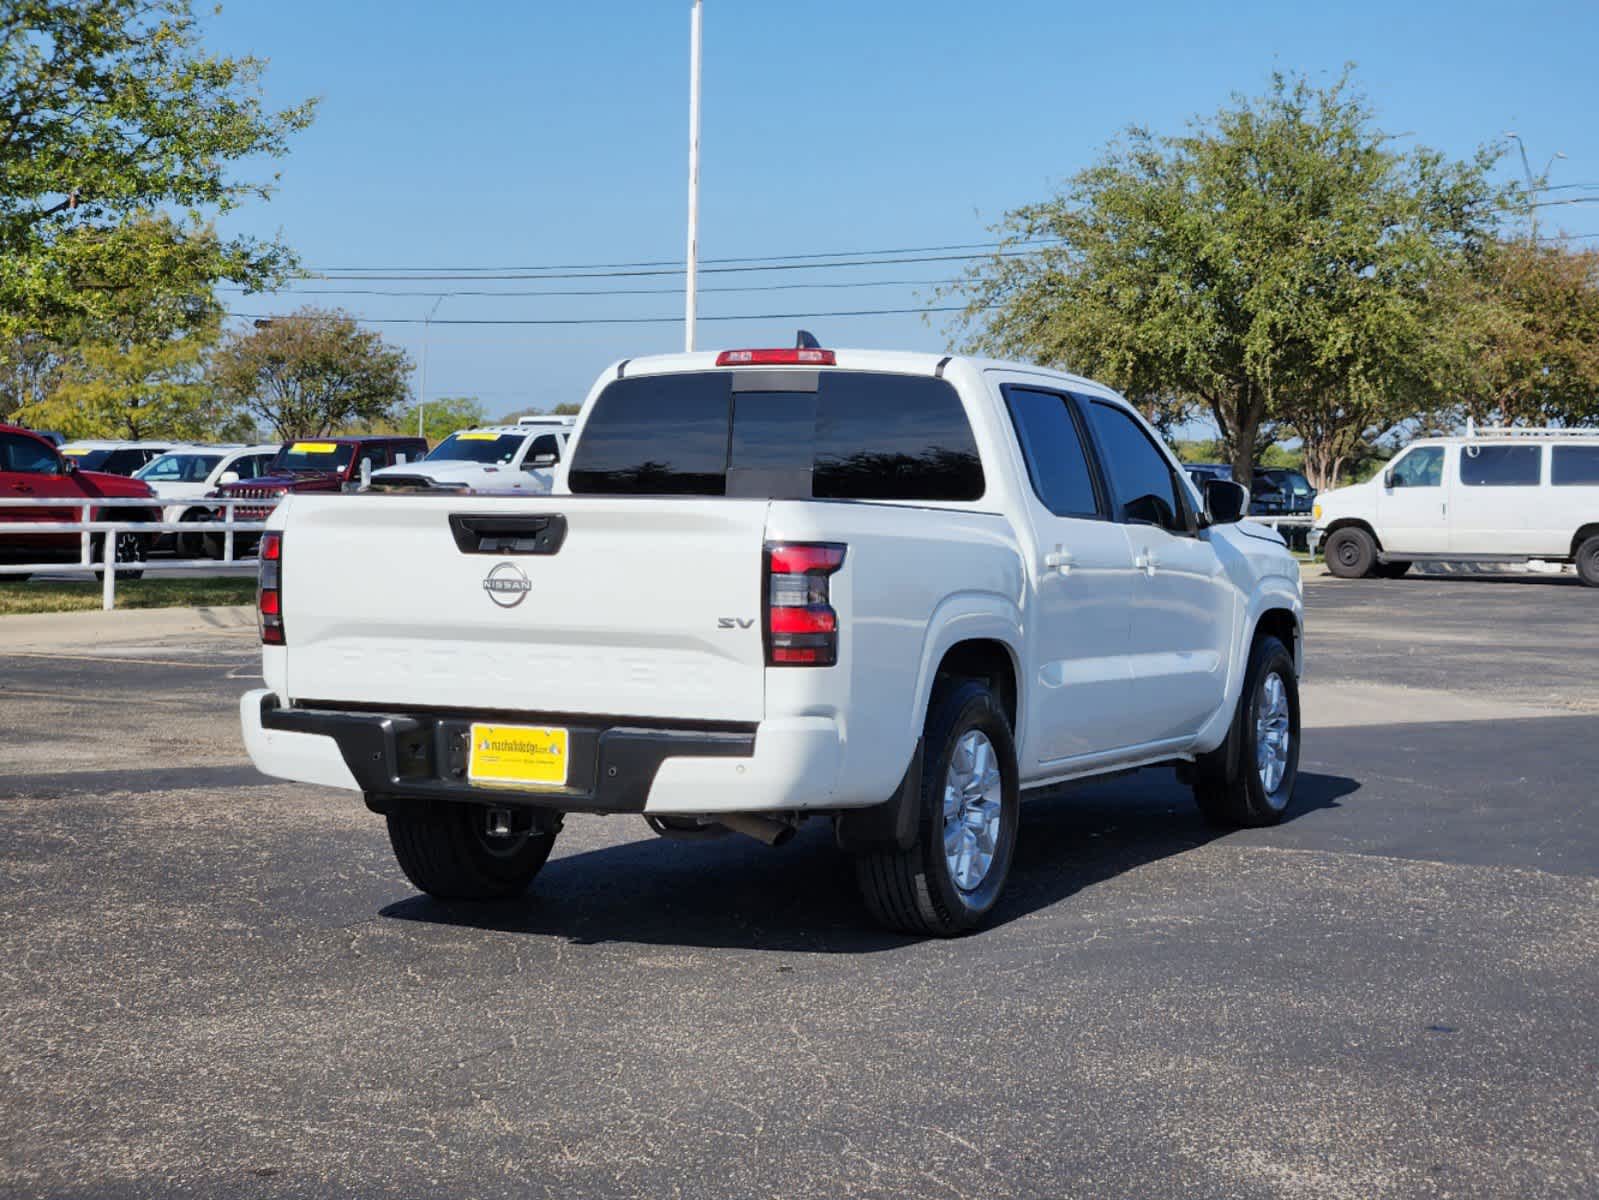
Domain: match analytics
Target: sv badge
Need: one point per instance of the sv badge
(734, 622)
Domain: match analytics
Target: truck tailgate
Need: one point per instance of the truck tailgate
(641, 607)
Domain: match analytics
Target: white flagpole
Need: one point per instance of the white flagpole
(691, 302)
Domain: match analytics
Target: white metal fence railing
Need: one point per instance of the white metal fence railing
(103, 532)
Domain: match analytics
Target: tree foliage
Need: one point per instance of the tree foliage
(1271, 268)
(1521, 345)
(113, 118)
(312, 372)
(441, 417)
(138, 389)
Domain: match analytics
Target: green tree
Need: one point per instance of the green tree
(136, 390)
(30, 367)
(442, 417)
(313, 372)
(111, 112)
(1521, 342)
(1257, 268)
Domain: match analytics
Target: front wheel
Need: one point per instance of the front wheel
(466, 851)
(1588, 561)
(969, 807)
(1351, 553)
(1249, 779)
(131, 547)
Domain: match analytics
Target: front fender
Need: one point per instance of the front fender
(1269, 593)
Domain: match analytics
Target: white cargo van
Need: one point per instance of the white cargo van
(1494, 495)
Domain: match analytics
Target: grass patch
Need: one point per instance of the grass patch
(51, 597)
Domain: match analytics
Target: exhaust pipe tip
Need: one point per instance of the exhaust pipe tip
(762, 829)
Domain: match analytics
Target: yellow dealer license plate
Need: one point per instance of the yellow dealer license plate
(519, 755)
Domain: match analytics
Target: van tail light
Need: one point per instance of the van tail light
(801, 625)
(269, 590)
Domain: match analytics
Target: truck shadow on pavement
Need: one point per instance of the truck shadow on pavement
(732, 893)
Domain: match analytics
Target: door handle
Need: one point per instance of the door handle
(1146, 562)
(1059, 560)
(21, 487)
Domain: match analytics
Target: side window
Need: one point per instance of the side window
(1051, 443)
(1146, 489)
(1501, 466)
(27, 456)
(376, 456)
(544, 444)
(1574, 466)
(1422, 467)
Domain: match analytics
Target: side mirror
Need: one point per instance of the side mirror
(1225, 501)
(69, 466)
(535, 461)
(1388, 479)
(228, 477)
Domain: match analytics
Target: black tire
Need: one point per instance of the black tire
(1392, 569)
(444, 850)
(1351, 553)
(192, 545)
(915, 891)
(1227, 782)
(1588, 561)
(131, 547)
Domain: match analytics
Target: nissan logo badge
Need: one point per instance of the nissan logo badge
(506, 585)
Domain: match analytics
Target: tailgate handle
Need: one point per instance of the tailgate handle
(540, 533)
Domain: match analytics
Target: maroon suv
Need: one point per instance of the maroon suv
(31, 468)
(330, 464)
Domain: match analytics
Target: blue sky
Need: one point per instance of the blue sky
(518, 135)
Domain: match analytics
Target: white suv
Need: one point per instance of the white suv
(1494, 495)
(185, 475)
(497, 458)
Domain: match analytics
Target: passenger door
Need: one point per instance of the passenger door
(1183, 613)
(1081, 685)
(1413, 503)
(1496, 493)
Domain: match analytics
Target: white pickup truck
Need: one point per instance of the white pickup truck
(894, 590)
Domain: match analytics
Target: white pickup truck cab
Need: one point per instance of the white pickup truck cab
(496, 458)
(1494, 495)
(894, 590)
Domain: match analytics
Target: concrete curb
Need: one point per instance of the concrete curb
(38, 631)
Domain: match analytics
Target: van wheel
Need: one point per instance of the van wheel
(1350, 553)
(969, 808)
(1249, 779)
(447, 851)
(1392, 569)
(1588, 561)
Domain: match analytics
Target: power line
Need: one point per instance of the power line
(656, 291)
(677, 262)
(672, 320)
(787, 266)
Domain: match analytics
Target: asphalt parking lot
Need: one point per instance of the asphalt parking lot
(215, 985)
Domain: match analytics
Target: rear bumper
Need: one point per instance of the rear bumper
(614, 768)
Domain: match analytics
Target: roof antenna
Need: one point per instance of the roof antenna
(806, 340)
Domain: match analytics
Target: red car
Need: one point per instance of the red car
(323, 464)
(30, 467)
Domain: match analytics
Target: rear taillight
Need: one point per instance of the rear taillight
(801, 626)
(269, 590)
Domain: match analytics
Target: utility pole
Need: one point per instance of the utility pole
(422, 392)
(1534, 185)
(691, 300)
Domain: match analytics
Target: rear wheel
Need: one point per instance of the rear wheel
(969, 808)
(1392, 569)
(467, 851)
(1249, 779)
(1350, 553)
(131, 547)
(1588, 561)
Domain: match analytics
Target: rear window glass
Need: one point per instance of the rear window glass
(856, 436)
(1500, 466)
(1574, 466)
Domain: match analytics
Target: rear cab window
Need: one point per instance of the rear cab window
(779, 434)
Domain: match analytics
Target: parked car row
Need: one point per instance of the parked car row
(185, 480)
(1274, 491)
